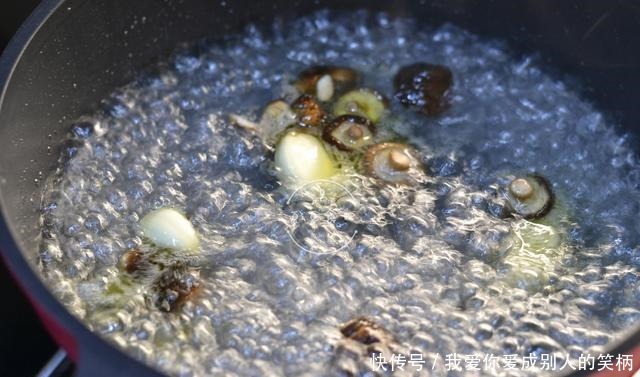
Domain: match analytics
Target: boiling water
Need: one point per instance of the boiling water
(279, 276)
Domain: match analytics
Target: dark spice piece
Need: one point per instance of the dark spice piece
(364, 330)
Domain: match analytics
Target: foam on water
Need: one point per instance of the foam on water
(424, 262)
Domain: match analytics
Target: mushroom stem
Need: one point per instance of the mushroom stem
(355, 132)
(521, 188)
(399, 160)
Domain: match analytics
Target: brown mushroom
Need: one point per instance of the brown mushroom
(530, 196)
(349, 132)
(362, 337)
(308, 111)
(391, 162)
(173, 287)
(365, 331)
(424, 86)
(364, 102)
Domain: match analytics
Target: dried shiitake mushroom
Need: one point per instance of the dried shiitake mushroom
(349, 132)
(424, 86)
(364, 330)
(132, 260)
(391, 162)
(530, 196)
(308, 111)
(362, 338)
(364, 102)
(173, 287)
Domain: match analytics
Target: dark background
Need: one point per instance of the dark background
(24, 344)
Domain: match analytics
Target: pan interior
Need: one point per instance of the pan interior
(279, 277)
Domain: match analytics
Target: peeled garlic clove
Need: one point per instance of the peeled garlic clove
(168, 228)
(363, 102)
(302, 158)
(324, 88)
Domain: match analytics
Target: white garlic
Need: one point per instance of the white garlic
(324, 88)
(301, 158)
(167, 227)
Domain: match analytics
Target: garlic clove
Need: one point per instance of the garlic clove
(324, 88)
(302, 158)
(169, 228)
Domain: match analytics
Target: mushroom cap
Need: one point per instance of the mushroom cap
(424, 86)
(530, 196)
(308, 111)
(364, 102)
(391, 162)
(349, 132)
(173, 287)
(276, 117)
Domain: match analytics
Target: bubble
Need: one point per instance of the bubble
(187, 64)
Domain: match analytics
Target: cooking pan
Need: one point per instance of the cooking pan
(70, 54)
